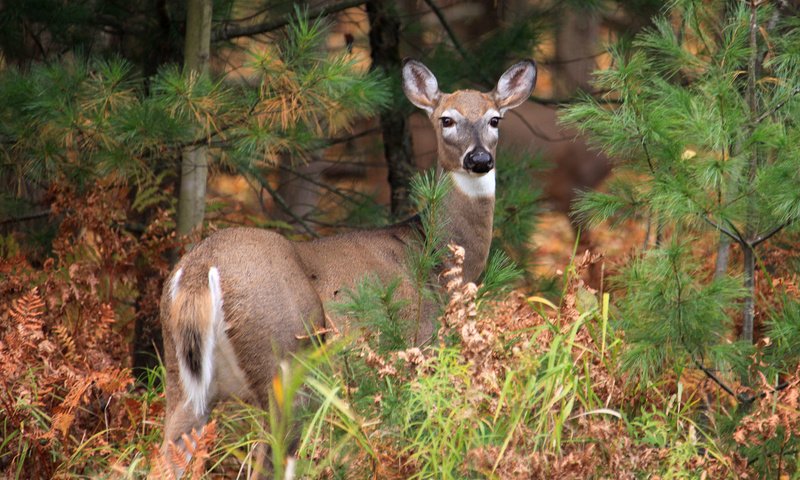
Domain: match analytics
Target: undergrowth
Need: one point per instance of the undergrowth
(512, 386)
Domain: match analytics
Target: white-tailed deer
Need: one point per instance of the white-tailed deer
(237, 303)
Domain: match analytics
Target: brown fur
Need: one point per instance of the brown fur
(189, 313)
(274, 291)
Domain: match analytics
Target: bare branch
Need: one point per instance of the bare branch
(769, 234)
(715, 379)
(23, 218)
(738, 239)
(777, 106)
(330, 188)
(229, 31)
(439, 15)
(282, 203)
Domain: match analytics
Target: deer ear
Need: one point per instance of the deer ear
(420, 85)
(516, 85)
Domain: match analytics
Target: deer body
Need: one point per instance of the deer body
(236, 304)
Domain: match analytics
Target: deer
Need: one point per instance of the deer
(242, 300)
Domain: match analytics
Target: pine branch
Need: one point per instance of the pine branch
(229, 32)
(697, 362)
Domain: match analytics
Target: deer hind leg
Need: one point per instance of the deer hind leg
(263, 463)
(282, 332)
(178, 427)
(181, 419)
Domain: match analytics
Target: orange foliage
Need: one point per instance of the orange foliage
(65, 339)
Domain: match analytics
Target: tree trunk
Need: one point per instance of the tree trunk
(147, 341)
(194, 162)
(753, 72)
(298, 185)
(577, 41)
(384, 41)
(576, 47)
(750, 293)
(723, 255)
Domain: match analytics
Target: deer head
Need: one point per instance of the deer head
(466, 122)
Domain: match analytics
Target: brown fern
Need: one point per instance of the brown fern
(67, 342)
(26, 313)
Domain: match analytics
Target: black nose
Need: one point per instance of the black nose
(479, 161)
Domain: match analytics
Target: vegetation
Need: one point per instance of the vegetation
(705, 128)
(648, 377)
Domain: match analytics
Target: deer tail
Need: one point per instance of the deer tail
(195, 316)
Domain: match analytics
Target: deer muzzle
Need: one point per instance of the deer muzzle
(478, 161)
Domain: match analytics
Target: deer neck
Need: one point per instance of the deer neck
(469, 213)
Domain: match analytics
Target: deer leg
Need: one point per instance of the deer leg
(179, 425)
(262, 463)
(301, 314)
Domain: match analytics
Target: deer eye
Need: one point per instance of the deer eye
(447, 122)
(494, 122)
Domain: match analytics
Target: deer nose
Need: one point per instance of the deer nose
(479, 161)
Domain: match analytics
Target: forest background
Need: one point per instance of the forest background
(130, 130)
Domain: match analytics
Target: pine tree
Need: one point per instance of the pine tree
(701, 112)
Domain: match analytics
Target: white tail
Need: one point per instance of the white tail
(197, 338)
(240, 301)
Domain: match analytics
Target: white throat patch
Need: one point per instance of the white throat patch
(474, 186)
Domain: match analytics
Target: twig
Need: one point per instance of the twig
(572, 60)
(228, 31)
(316, 333)
(715, 379)
(347, 138)
(337, 226)
(777, 106)
(330, 188)
(440, 16)
(538, 133)
(737, 238)
(486, 81)
(646, 151)
(768, 235)
(743, 241)
(740, 398)
(777, 388)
